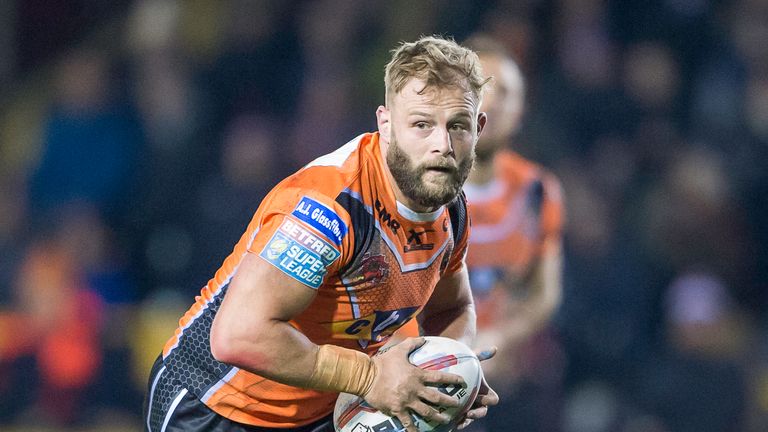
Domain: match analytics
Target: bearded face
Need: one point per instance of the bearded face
(429, 184)
(428, 136)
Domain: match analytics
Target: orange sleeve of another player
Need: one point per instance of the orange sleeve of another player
(552, 212)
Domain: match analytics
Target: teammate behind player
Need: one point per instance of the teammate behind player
(337, 257)
(514, 257)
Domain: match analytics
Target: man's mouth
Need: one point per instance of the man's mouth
(440, 169)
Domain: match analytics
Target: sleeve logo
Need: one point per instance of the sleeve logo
(299, 253)
(321, 218)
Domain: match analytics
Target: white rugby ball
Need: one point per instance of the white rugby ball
(353, 414)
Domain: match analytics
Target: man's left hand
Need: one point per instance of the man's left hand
(485, 397)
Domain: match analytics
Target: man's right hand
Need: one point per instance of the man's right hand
(400, 388)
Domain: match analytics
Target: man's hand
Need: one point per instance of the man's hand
(485, 397)
(401, 388)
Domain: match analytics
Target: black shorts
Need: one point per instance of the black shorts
(169, 407)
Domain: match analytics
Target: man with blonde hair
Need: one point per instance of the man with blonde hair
(337, 257)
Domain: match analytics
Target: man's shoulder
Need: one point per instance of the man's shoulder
(517, 168)
(320, 183)
(341, 156)
(331, 173)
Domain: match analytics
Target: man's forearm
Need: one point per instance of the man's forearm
(546, 292)
(276, 350)
(284, 355)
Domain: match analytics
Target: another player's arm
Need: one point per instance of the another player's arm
(527, 316)
(545, 288)
(544, 282)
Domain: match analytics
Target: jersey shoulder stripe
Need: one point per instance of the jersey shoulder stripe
(339, 156)
(362, 223)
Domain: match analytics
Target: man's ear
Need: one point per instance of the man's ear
(383, 121)
(482, 119)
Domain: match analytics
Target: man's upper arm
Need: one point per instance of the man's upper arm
(552, 215)
(265, 292)
(290, 256)
(545, 279)
(287, 260)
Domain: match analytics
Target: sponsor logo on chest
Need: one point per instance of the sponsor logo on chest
(376, 326)
(385, 217)
(415, 241)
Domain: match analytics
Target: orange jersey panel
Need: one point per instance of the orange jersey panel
(335, 226)
(513, 218)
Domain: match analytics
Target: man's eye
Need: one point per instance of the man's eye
(422, 125)
(458, 127)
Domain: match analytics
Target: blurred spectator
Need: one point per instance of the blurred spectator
(89, 162)
(12, 206)
(327, 28)
(45, 28)
(91, 142)
(248, 166)
(258, 38)
(580, 93)
(702, 317)
(691, 218)
(162, 84)
(62, 318)
(608, 305)
(696, 383)
(651, 77)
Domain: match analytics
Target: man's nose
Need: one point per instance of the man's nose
(441, 142)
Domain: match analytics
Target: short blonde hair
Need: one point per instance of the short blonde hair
(439, 62)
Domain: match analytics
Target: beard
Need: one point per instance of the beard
(410, 178)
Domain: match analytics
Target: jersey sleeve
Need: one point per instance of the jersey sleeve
(552, 212)
(302, 233)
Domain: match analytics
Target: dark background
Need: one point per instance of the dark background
(137, 138)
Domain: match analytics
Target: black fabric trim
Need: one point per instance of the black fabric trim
(457, 210)
(362, 225)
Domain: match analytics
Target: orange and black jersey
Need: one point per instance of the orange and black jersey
(336, 227)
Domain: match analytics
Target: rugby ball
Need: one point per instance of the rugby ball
(353, 414)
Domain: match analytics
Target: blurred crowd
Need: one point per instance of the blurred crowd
(138, 137)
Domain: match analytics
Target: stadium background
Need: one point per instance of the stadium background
(137, 137)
